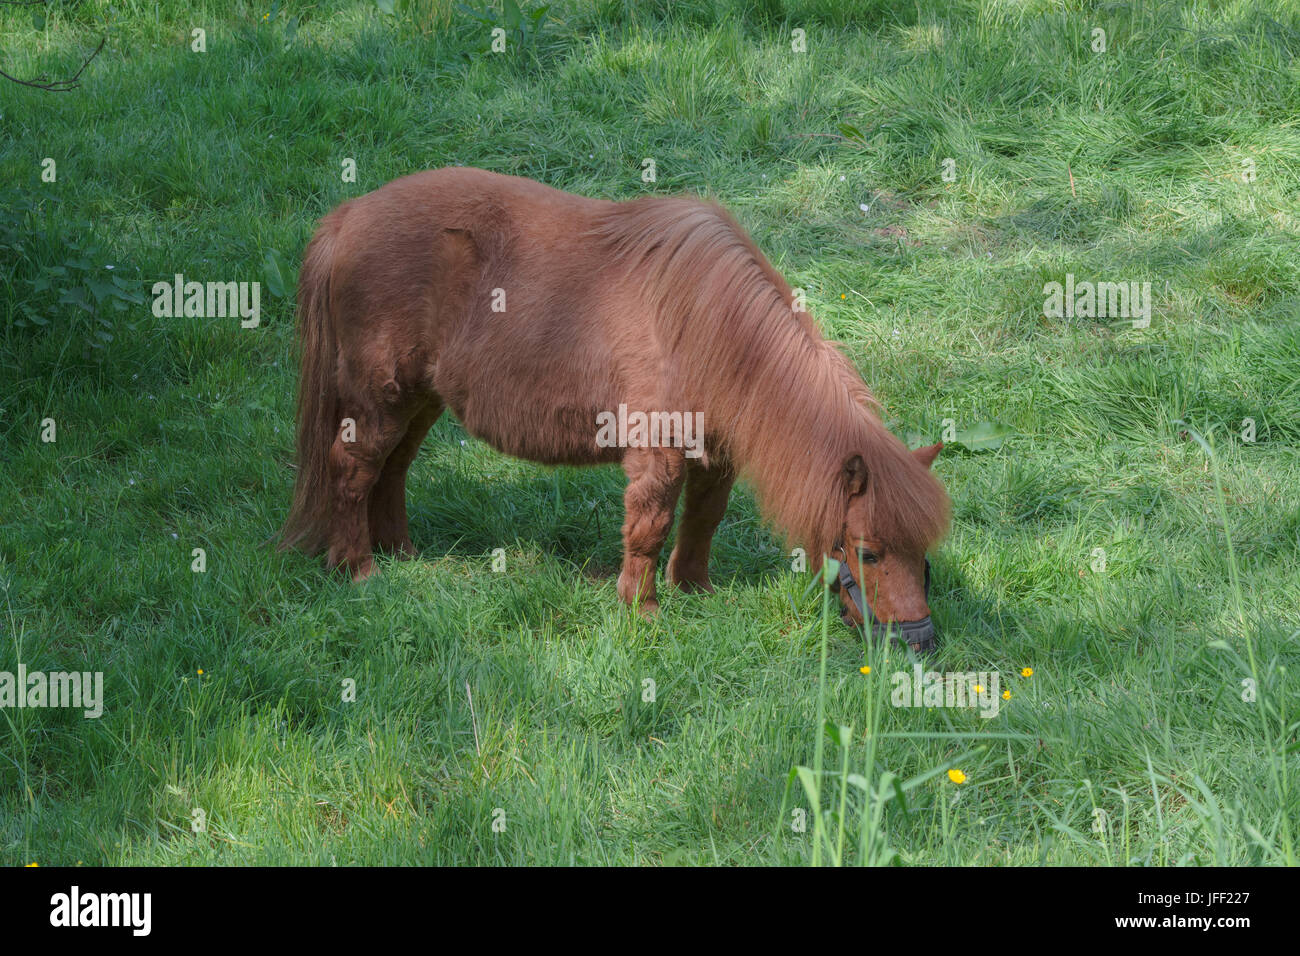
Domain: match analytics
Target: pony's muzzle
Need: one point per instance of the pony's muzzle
(919, 635)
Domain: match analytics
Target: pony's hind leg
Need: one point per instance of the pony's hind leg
(707, 490)
(366, 436)
(389, 530)
(654, 482)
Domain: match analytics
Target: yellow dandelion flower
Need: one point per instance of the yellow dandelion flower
(31, 865)
(200, 671)
(1026, 672)
(956, 776)
(865, 669)
(1006, 695)
(979, 688)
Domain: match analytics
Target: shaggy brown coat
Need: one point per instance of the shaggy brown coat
(657, 304)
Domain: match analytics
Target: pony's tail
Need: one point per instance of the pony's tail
(307, 526)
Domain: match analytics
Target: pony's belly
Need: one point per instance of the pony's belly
(531, 401)
(550, 436)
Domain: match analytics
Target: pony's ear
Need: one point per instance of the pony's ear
(855, 475)
(926, 456)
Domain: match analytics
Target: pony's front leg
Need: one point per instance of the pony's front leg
(654, 482)
(707, 490)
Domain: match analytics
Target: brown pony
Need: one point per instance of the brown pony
(531, 313)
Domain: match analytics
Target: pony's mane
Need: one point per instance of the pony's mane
(784, 403)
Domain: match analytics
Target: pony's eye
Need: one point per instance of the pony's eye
(868, 557)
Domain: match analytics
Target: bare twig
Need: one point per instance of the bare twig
(41, 83)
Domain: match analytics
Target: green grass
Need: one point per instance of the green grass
(174, 434)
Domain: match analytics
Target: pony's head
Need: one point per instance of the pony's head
(884, 577)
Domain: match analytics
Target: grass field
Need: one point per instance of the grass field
(1164, 675)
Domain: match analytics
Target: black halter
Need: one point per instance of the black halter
(918, 635)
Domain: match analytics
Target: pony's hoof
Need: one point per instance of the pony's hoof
(691, 586)
(688, 587)
(358, 568)
(629, 593)
(688, 580)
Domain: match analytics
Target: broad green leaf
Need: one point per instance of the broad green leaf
(277, 275)
(985, 436)
(810, 785)
(840, 735)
